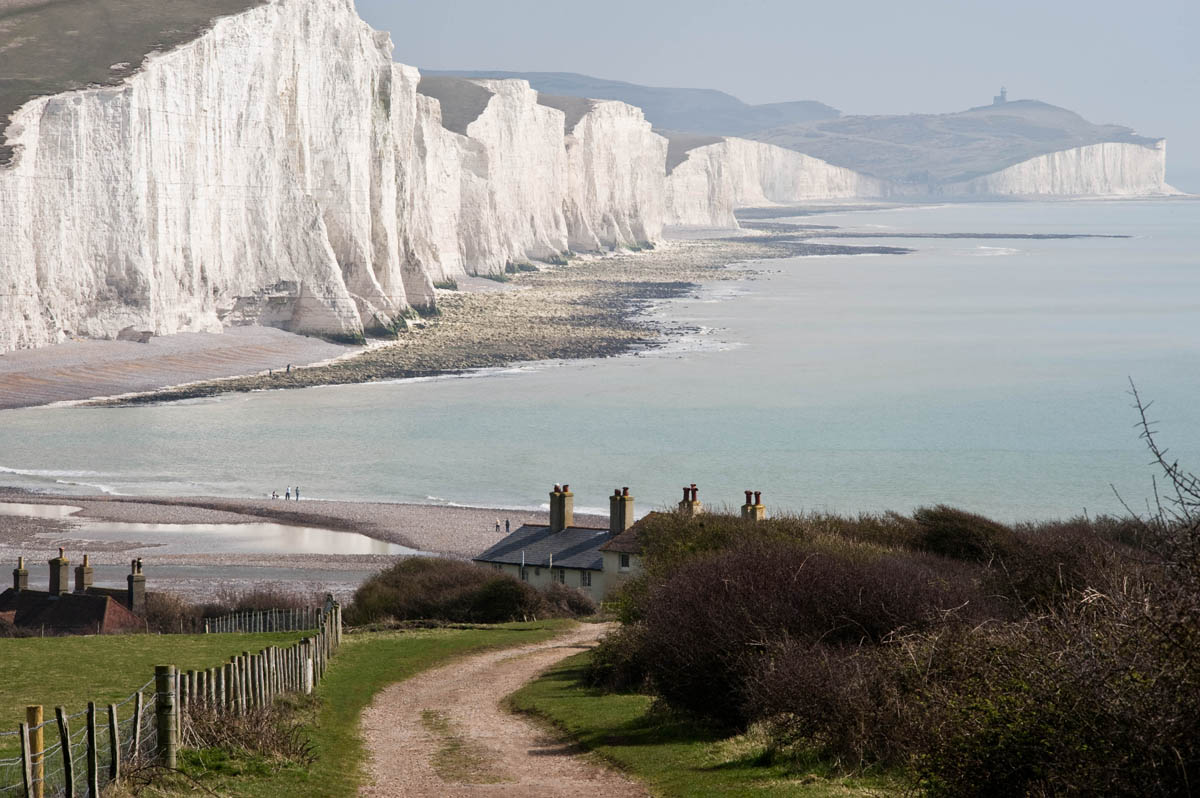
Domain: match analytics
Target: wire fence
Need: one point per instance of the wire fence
(74, 755)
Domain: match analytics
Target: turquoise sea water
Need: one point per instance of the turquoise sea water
(990, 374)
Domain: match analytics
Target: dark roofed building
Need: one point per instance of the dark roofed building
(561, 552)
(87, 610)
(597, 561)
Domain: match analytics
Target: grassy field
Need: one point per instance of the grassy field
(365, 664)
(70, 671)
(673, 757)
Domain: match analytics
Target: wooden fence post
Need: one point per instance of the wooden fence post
(228, 693)
(164, 709)
(64, 735)
(37, 749)
(114, 745)
(306, 666)
(135, 748)
(243, 703)
(93, 756)
(26, 763)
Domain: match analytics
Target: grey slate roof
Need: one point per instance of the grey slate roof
(574, 547)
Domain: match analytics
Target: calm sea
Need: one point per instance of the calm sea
(989, 374)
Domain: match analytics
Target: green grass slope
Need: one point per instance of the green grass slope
(70, 671)
(674, 757)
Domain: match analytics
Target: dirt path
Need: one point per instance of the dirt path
(443, 733)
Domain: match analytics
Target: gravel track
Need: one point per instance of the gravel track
(444, 733)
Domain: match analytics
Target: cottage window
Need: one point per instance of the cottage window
(497, 566)
(524, 574)
(585, 578)
(624, 562)
(562, 576)
(537, 571)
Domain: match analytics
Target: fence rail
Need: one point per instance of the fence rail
(70, 756)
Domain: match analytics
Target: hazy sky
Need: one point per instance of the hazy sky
(1136, 64)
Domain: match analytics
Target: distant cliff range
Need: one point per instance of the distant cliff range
(1018, 147)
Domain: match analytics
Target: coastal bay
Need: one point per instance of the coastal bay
(987, 369)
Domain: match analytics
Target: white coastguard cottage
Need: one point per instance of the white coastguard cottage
(591, 559)
(561, 552)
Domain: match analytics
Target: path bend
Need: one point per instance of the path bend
(443, 733)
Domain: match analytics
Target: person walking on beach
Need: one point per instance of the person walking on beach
(497, 525)
(507, 527)
(296, 492)
(287, 494)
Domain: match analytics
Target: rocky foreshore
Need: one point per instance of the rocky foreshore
(591, 307)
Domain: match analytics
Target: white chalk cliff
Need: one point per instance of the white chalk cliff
(280, 169)
(715, 179)
(1110, 169)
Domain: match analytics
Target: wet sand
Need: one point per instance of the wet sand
(447, 531)
(85, 369)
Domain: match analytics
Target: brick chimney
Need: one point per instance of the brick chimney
(753, 509)
(83, 576)
(562, 508)
(135, 597)
(20, 576)
(691, 505)
(620, 511)
(60, 574)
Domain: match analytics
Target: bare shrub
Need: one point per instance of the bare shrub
(618, 663)
(451, 590)
(275, 732)
(567, 601)
(171, 613)
(960, 535)
(711, 622)
(1057, 561)
(851, 705)
(270, 596)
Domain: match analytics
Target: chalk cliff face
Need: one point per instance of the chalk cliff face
(248, 174)
(715, 179)
(616, 179)
(1107, 169)
(281, 169)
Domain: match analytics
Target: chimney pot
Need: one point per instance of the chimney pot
(135, 595)
(758, 497)
(562, 508)
(20, 576)
(687, 493)
(83, 576)
(60, 576)
(749, 493)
